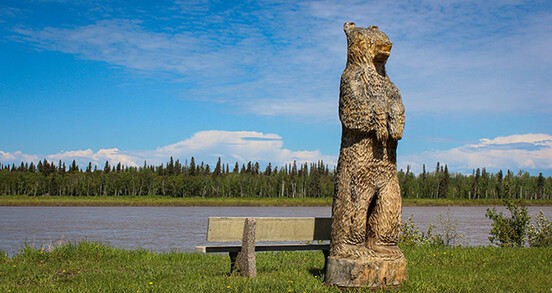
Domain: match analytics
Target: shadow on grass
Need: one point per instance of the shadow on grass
(320, 273)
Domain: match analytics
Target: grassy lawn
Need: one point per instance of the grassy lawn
(91, 267)
(22, 200)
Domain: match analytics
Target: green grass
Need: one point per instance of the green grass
(23, 200)
(91, 267)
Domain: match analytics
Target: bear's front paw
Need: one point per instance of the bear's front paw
(382, 134)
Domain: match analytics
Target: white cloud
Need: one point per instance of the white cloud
(529, 152)
(17, 157)
(536, 139)
(238, 146)
(309, 108)
(6, 156)
(127, 43)
(231, 146)
(271, 59)
(84, 156)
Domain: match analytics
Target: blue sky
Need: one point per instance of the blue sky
(131, 81)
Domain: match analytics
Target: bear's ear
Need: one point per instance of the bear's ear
(348, 26)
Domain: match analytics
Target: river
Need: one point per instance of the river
(164, 229)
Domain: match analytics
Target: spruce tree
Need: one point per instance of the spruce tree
(268, 169)
(540, 186)
(40, 167)
(52, 168)
(61, 167)
(443, 185)
(74, 168)
(161, 170)
(170, 167)
(193, 169)
(218, 168)
(107, 168)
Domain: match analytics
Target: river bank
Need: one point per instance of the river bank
(22, 200)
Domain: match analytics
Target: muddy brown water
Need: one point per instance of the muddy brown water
(164, 229)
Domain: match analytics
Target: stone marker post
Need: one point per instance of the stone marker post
(366, 210)
(245, 262)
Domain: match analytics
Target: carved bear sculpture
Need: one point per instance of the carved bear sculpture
(366, 211)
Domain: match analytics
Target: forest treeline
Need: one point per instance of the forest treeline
(191, 179)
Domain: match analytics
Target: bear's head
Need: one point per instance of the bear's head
(366, 46)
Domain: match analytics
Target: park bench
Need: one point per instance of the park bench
(261, 229)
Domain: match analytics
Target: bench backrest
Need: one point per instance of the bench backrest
(230, 229)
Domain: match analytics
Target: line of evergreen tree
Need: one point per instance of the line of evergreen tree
(190, 179)
(479, 185)
(170, 179)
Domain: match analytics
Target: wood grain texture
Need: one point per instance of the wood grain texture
(377, 272)
(366, 210)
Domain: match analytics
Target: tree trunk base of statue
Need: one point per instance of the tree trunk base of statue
(366, 271)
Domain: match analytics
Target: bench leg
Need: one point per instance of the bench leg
(233, 257)
(326, 254)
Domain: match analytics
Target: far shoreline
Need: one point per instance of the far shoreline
(163, 201)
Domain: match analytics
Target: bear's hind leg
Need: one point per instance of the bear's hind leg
(385, 220)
